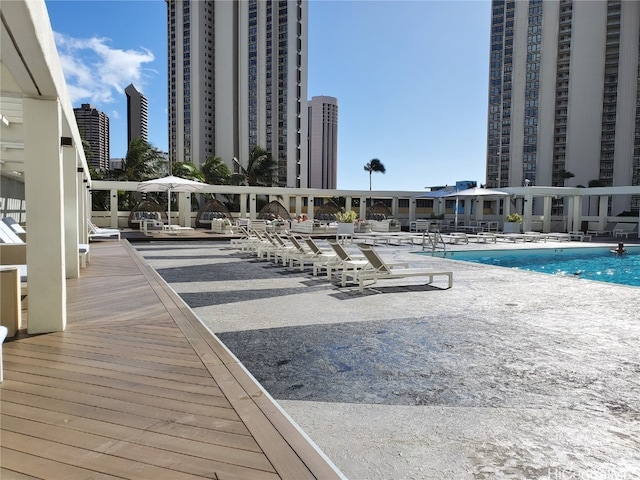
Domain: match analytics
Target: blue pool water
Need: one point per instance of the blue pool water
(590, 263)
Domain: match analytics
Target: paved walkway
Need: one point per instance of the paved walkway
(509, 374)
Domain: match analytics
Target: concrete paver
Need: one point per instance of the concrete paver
(509, 374)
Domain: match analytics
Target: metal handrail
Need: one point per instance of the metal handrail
(434, 242)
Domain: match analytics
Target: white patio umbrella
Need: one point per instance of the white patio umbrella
(170, 184)
(473, 193)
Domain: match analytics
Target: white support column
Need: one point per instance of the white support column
(252, 206)
(394, 207)
(243, 205)
(412, 209)
(546, 221)
(81, 204)
(113, 208)
(310, 207)
(528, 211)
(363, 208)
(286, 203)
(70, 199)
(184, 209)
(44, 199)
(576, 212)
(479, 208)
(347, 204)
(603, 207)
(298, 211)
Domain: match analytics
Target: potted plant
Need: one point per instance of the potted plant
(346, 222)
(512, 224)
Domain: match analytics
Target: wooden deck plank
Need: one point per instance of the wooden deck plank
(138, 387)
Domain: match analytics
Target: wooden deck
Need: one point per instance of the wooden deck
(136, 387)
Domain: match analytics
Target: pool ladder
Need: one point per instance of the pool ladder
(427, 239)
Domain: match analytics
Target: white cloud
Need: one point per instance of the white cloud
(96, 72)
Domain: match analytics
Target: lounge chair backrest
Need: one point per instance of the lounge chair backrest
(15, 226)
(374, 259)
(279, 239)
(7, 235)
(296, 244)
(312, 245)
(625, 227)
(339, 249)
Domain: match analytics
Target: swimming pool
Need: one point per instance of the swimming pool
(593, 263)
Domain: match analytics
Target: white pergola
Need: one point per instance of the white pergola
(40, 144)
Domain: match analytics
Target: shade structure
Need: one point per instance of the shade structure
(170, 184)
(473, 193)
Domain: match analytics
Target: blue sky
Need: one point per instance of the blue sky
(410, 78)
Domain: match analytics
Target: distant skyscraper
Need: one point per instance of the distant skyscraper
(323, 142)
(137, 115)
(238, 79)
(564, 94)
(94, 129)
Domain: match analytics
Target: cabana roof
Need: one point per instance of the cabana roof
(212, 209)
(274, 208)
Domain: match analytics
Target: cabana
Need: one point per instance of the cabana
(147, 209)
(378, 211)
(273, 210)
(213, 209)
(327, 211)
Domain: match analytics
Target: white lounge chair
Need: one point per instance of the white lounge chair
(380, 270)
(3, 334)
(99, 232)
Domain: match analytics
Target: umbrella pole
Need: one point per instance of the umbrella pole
(169, 207)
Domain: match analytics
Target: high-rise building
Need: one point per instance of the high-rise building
(137, 114)
(323, 142)
(94, 129)
(564, 94)
(238, 79)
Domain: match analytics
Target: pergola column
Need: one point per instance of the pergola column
(528, 211)
(310, 207)
(46, 241)
(603, 207)
(347, 204)
(70, 200)
(113, 207)
(363, 208)
(546, 219)
(412, 209)
(243, 205)
(252, 206)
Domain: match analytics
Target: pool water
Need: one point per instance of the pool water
(590, 263)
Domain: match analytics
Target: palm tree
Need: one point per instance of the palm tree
(563, 175)
(215, 171)
(374, 165)
(260, 170)
(187, 170)
(143, 162)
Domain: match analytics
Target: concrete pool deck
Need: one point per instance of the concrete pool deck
(509, 374)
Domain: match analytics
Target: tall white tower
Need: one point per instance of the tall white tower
(323, 142)
(238, 79)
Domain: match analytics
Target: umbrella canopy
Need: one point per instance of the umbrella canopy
(170, 184)
(474, 192)
(477, 192)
